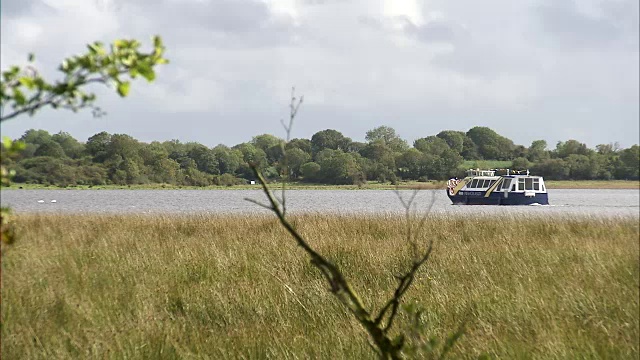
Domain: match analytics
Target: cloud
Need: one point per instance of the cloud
(419, 67)
(220, 23)
(602, 25)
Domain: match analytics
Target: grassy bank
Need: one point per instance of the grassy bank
(145, 287)
(371, 185)
(593, 184)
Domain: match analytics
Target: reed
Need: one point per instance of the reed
(200, 286)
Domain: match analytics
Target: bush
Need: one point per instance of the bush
(227, 180)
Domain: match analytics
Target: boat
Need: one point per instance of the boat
(498, 187)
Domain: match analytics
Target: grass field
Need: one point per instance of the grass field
(160, 287)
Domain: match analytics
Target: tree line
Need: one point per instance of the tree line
(328, 157)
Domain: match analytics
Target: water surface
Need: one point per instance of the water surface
(562, 202)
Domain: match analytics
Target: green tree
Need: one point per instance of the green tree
(329, 139)
(431, 145)
(538, 151)
(439, 161)
(338, 167)
(520, 163)
(491, 146)
(152, 153)
(581, 167)
(302, 144)
(36, 137)
(628, 167)
(411, 164)
(383, 160)
(470, 149)
(551, 169)
(229, 160)
(72, 147)
(571, 147)
(296, 157)
(97, 146)
(607, 149)
(51, 149)
(50, 171)
(266, 141)
(388, 137)
(310, 171)
(124, 145)
(205, 159)
(455, 139)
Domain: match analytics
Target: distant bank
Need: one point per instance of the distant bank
(551, 184)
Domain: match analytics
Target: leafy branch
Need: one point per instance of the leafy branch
(25, 90)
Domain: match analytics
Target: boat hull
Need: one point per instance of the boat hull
(498, 198)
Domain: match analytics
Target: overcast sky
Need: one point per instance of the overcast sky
(552, 70)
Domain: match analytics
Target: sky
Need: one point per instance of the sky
(551, 70)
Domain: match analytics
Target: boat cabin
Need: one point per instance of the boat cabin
(498, 186)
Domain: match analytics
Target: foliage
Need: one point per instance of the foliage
(387, 135)
(24, 90)
(491, 146)
(121, 159)
(8, 150)
(328, 139)
(455, 139)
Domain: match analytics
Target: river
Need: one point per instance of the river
(596, 203)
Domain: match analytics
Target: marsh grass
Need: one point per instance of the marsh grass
(169, 287)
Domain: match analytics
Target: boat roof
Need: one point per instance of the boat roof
(497, 172)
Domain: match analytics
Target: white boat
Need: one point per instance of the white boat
(498, 187)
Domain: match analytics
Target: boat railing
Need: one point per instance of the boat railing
(494, 172)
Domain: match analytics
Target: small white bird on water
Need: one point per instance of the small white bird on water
(54, 201)
(40, 201)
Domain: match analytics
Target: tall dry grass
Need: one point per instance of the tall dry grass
(144, 287)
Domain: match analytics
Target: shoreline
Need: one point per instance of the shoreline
(551, 184)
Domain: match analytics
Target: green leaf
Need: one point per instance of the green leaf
(6, 142)
(96, 48)
(123, 88)
(19, 97)
(157, 42)
(146, 71)
(27, 81)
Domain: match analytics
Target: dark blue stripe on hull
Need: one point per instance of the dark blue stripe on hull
(496, 198)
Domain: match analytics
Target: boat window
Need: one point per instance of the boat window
(513, 188)
(506, 184)
(543, 189)
(536, 184)
(474, 183)
(528, 184)
(482, 183)
(491, 182)
(521, 184)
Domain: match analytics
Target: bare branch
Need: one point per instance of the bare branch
(390, 309)
(378, 328)
(286, 174)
